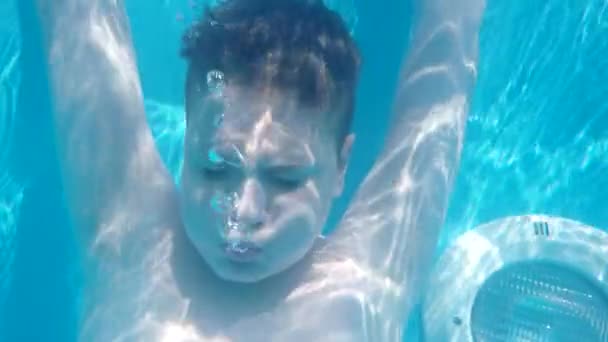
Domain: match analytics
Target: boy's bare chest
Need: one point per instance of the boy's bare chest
(321, 319)
(316, 311)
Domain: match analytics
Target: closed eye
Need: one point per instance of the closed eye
(214, 171)
(290, 176)
(289, 181)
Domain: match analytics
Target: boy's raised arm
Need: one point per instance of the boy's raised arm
(390, 229)
(120, 196)
(111, 170)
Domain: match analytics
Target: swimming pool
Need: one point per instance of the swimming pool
(536, 134)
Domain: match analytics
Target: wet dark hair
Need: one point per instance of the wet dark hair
(296, 45)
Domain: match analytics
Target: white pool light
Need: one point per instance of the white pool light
(524, 278)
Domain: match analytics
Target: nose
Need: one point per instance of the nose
(251, 208)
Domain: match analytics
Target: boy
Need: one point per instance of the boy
(234, 253)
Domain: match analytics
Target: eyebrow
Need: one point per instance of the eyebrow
(295, 170)
(297, 156)
(297, 159)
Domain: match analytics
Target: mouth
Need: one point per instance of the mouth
(241, 251)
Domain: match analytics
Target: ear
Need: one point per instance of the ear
(343, 160)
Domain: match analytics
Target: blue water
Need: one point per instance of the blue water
(537, 133)
(537, 136)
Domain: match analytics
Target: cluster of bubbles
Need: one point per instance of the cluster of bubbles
(216, 83)
(168, 128)
(224, 204)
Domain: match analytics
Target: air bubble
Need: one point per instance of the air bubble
(232, 223)
(193, 35)
(216, 82)
(214, 157)
(223, 203)
(218, 120)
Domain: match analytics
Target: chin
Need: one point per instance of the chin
(241, 273)
(243, 278)
(249, 272)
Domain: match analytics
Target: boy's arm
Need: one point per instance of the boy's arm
(391, 227)
(111, 171)
(120, 197)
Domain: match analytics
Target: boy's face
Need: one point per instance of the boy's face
(260, 174)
